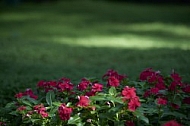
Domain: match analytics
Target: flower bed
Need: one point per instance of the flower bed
(115, 100)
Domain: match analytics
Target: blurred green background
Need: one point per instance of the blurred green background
(83, 38)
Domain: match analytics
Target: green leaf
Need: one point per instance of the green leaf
(10, 105)
(53, 111)
(56, 103)
(35, 120)
(75, 120)
(14, 113)
(140, 116)
(115, 99)
(120, 123)
(32, 100)
(26, 103)
(175, 114)
(112, 91)
(50, 97)
(98, 98)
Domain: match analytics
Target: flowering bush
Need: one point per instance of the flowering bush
(114, 100)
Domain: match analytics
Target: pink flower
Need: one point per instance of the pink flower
(133, 104)
(113, 81)
(129, 123)
(97, 87)
(83, 84)
(64, 112)
(128, 92)
(161, 101)
(171, 123)
(83, 101)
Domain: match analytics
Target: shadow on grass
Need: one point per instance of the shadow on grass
(23, 65)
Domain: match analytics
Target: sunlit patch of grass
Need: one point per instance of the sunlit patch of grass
(139, 36)
(129, 41)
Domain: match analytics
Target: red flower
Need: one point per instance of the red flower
(171, 123)
(47, 86)
(145, 74)
(64, 112)
(28, 92)
(83, 84)
(161, 101)
(186, 88)
(133, 104)
(186, 100)
(21, 108)
(173, 86)
(113, 81)
(146, 94)
(154, 91)
(19, 95)
(40, 109)
(65, 86)
(175, 106)
(83, 101)
(152, 78)
(90, 93)
(160, 86)
(128, 92)
(114, 74)
(175, 77)
(129, 123)
(97, 87)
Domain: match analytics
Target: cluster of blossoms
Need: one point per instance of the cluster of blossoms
(93, 103)
(28, 92)
(157, 83)
(168, 91)
(130, 95)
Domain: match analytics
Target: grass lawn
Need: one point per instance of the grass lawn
(85, 39)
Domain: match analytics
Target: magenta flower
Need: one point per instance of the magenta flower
(128, 93)
(83, 84)
(40, 109)
(171, 123)
(161, 101)
(83, 101)
(133, 104)
(97, 87)
(64, 112)
(113, 81)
